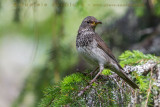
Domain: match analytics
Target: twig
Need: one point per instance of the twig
(145, 31)
(90, 84)
(149, 90)
(141, 69)
(81, 92)
(118, 85)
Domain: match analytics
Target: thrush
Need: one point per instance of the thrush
(93, 48)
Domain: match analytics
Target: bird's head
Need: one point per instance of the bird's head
(90, 22)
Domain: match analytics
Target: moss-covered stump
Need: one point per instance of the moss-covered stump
(109, 90)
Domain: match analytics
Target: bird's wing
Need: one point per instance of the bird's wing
(105, 48)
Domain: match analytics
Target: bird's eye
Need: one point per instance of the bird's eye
(87, 21)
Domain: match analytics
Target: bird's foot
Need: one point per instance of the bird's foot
(93, 72)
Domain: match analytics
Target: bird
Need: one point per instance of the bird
(90, 45)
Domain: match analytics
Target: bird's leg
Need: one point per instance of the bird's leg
(94, 79)
(100, 71)
(91, 73)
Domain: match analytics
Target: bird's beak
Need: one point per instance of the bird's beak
(94, 23)
(98, 22)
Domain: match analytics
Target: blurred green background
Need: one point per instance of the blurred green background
(37, 40)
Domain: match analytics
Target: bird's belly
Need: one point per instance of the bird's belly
(93, 54)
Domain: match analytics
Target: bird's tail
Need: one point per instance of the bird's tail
(126, 79)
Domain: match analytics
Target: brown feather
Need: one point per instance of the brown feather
(104, 47)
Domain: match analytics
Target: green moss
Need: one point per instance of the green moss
(135, 58)
(62, 94)
(106, 72)
(106, 93)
